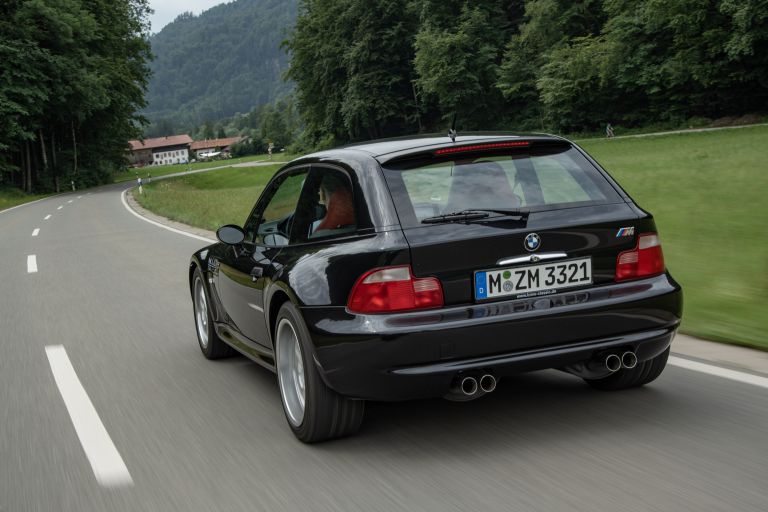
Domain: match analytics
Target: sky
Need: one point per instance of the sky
(167, 10)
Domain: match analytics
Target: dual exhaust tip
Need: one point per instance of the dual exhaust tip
(615, 362)
(470, 386)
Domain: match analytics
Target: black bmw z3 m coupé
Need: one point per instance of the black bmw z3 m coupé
(435, 266)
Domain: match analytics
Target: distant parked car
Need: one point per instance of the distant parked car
(426, 267)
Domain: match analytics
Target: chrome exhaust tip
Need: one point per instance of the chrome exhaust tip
(468, 386)
(487, 383)
(628, 360)
(613, 363)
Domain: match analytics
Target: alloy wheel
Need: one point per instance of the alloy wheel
(201, 313)
(290, 372)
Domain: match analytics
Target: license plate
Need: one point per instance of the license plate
(532, 280)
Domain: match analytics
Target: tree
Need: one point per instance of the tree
(208, 132)
(351, 61)
(373, 69)
(75, 73)
(688, 58)
(457, 60)
(23, 92)
(547, 27)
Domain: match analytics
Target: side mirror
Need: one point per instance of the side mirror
(230, 234)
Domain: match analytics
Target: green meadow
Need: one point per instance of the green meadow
(210, 199)
(707, 191)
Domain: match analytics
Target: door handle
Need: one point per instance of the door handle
(256, 272)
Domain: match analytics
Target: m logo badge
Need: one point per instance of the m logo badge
(629, 231)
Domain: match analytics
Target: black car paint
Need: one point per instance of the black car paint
(417, 354)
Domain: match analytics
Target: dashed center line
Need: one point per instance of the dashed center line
(69, 201)
(47, 217)
(79, 197)
(60, 207)
(31, 264)
(106, 462)
(36, 232)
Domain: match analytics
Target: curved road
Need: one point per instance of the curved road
(181, 433)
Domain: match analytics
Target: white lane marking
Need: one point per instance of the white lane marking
(746, 378)
(31, 264)
(69, 201)
(177, 231)
(107, 465)
(47, 217)
(257, 308)
(79, 197)
(60, 207)
(36, 232)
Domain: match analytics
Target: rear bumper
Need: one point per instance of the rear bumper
(417, 355)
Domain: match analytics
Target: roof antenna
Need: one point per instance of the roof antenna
(452, 130)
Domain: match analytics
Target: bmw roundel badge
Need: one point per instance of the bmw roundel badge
(532, 242)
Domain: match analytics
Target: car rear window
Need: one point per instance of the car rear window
(534, 180)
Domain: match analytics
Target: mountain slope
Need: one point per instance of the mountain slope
(226, 60)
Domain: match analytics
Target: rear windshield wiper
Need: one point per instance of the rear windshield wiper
(474, 214)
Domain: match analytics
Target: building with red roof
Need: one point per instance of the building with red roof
(214, 147)
(173, 149)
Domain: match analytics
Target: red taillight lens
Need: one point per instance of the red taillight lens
(645, 260)
(383, 290)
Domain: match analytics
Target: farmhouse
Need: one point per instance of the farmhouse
(213, 147)
(160, 150)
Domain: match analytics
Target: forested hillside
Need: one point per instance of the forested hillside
(224, 61)
(372, 68)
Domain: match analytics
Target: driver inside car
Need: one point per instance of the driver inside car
(336, 196)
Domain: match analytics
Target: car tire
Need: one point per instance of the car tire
(210, 344)
(642, 374)
(313, 410)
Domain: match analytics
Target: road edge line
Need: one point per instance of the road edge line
(26, 204)
(174, 230)
(107, 464)
(718, 371)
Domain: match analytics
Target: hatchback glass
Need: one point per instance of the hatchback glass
(547, 179)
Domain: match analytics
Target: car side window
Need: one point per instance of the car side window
(273, 220)
(327, 206)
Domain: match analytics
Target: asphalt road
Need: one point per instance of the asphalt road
(200, 435)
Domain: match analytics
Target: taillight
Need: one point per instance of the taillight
(383, 290)
(645, 260)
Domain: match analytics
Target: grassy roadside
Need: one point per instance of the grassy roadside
(10, 197)
(705, 190)
(208, 200)
(163, 170)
